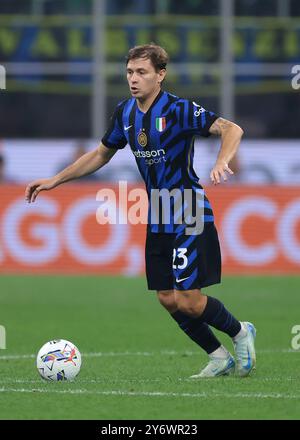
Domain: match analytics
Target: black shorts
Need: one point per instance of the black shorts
(183, 262)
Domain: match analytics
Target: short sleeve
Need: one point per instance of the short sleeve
(196, 119)
(114, 136)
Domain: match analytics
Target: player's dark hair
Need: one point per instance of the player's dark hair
(156, 54)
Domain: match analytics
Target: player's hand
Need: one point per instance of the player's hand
(219, 171)
(33, 189)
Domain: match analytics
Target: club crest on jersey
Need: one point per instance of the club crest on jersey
(142, 139)
(160, 124)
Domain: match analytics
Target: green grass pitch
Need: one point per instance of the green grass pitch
(136, 361)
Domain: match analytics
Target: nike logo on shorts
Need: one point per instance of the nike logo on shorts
(180, 280)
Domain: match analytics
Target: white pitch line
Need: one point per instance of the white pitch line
(12, 357)
(93, 355)
(155, 394)
(143, 353)
(164, 380)
(88, 381)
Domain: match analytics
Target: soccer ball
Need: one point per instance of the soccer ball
(58, 360)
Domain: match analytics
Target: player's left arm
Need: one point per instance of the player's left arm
(231, 135)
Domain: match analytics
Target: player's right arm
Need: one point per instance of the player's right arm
(86, 164)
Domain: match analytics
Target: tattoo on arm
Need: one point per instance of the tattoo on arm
(220, 126)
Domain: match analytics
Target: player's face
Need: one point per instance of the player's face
(142, 78)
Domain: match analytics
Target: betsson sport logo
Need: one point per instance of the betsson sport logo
(151, 156)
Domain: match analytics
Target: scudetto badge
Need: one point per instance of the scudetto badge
(142, 139)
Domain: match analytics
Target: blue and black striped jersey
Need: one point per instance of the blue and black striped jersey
(162, 141)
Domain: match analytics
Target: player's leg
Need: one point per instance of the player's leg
(213, 312)
(196, 329)
(167, 300)
(193, 304)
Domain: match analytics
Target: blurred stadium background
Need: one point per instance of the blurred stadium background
(65, 68)
(65, 73)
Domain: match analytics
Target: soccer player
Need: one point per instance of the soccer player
(160, 128)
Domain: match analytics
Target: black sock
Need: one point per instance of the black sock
(198, 331)
(216, 315)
